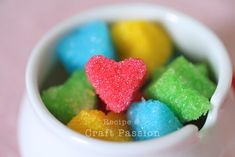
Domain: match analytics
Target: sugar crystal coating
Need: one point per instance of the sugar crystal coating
(116, 83)
(78, 46)
(187, 103)
(65, 101)
(142, 39)
(94, 123)
(151, 119)
(201, 67)
(192, 77)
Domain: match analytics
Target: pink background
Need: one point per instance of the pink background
(23, 22)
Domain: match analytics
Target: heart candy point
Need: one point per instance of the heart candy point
(116, 83)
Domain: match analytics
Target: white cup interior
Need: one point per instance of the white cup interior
(193, 38)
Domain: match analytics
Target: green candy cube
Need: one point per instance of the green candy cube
(192, 77)
(201, 67)
(65, 101)
(184, 87)
(188, 104)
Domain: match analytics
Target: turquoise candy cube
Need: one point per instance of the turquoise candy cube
(78, 46)
(151, 119)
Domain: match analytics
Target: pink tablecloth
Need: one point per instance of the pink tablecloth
(22, 23)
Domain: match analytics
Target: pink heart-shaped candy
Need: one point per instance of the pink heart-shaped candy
(116, 83)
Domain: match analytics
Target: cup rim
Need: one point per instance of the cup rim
(73, 137)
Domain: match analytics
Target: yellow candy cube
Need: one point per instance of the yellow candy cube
(94, 123)
(141, 39)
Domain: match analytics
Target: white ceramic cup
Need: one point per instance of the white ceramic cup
(42, 135)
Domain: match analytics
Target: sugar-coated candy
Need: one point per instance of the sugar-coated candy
(78, 46)
(116, 83)
(94, 123)
(151, 119)
(104, 95)
(141, 39)
(186, 102)
(65, 101)
(192, 77)
(201, 67)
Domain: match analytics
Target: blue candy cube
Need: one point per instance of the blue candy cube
(78, 46)
(151, 119)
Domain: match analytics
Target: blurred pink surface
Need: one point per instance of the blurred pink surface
(22, 23)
